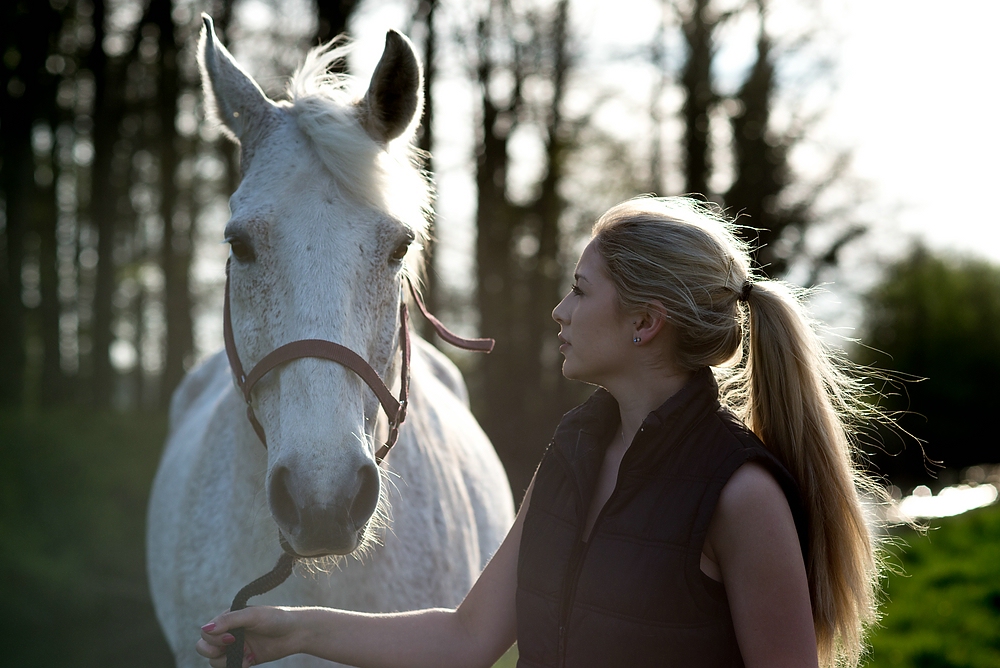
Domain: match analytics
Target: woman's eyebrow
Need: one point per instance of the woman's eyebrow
(580, 277)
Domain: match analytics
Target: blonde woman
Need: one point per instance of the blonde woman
(670, 522)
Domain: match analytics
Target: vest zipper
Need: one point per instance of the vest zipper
(569, 594)
(579, 556)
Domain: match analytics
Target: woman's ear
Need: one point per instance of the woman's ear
(648, 323)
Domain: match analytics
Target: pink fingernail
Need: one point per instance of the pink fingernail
(228, 639)
(208, 627)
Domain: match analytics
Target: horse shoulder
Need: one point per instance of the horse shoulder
(441, 368)
(207, 379)
(193, 405)
(451, 435)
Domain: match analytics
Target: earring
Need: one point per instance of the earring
(636, 340)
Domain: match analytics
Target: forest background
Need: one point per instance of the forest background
(114, 197)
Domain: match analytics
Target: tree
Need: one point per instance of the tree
(107, 113)
(698, 25)
(29, 33)
(936, 319)
(519, 241)
(333, 16)
(776, 205)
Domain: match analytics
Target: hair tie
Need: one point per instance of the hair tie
(745, 294)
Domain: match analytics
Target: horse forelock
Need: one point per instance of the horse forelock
(389, 177)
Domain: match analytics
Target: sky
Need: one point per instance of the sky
(918, 101)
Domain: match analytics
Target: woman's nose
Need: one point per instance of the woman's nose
(557, 312)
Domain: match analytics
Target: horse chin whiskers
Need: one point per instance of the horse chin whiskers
(322, 565)
(373, 533)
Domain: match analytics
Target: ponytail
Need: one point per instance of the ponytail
(798, 397)
(794, 392)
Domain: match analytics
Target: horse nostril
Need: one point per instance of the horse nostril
(367, 498)
(282, 506)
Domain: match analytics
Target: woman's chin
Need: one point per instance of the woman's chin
(570, 372)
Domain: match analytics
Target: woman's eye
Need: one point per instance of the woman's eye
(242, 251)
(400, 252)
(575, 289)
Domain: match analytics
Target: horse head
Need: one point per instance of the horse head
(320, 241)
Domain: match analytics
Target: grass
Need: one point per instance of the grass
(944, 609)
(73, 488)
(508, 660)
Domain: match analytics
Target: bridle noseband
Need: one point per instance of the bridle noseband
(394, 409)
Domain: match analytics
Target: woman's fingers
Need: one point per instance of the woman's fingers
(230, 620)
(210, 649)
(216, 636)
(220, 640)
(216, 651)
(265, 635)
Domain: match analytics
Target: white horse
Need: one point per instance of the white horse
(329, 202)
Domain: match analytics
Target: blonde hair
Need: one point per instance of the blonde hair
(794, 392)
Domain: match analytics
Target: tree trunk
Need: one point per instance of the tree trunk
(17, 171)
(699, 96)
(659, 60)
(333, 16)
(175, 249)
(426, 13)
(496, 397)
(53, 388)
(29, 30)
(761, 170)
(522, 392)
(108, 106)
(544, 396)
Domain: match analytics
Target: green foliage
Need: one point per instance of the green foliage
(508, 660)
(73, 490)
(944, 610)
(938, 318)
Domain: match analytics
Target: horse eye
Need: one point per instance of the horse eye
(242, 251)
(400, 252)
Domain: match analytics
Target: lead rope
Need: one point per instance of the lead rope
(286, 562)
(262, 585)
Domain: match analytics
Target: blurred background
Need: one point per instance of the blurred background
(855, 140)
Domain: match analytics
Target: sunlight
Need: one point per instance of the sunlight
(954, 500)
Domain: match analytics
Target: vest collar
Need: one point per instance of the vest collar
(584, 434)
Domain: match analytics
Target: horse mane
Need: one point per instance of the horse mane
(388, 176)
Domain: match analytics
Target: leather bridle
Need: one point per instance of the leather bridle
(394, 409)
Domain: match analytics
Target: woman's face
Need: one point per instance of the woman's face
(595, 334)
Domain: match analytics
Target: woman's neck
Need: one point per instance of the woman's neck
(644, 392)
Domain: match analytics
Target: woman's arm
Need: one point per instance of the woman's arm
(477, 633)
(752, 537)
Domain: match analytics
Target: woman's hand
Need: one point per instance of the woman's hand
(269, 635)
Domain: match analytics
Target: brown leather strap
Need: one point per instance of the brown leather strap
(227, 335)
(475, 345)
(318, 348)
(329, 351)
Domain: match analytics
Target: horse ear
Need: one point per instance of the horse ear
(394, 99)
(232, 98)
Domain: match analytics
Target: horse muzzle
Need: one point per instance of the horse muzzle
(318, 523)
